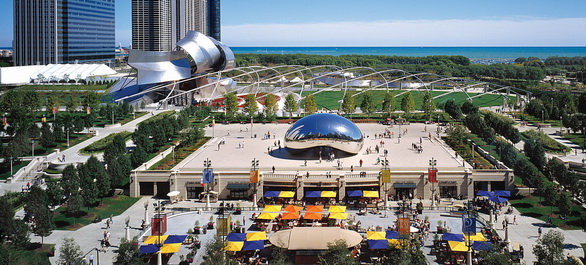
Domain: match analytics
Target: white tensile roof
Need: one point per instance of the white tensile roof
(24, 74)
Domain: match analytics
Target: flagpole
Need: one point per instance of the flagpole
(251, 127)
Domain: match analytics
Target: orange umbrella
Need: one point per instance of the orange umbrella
(312, 216)
(290, 216)
(314, 208)
(293, 208)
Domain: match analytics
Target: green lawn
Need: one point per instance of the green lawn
(5, 168)
(330, 99)
(115, 205)
(532, 206)
(100, 145)
(35, 254)
(547, 142)
(180, 154)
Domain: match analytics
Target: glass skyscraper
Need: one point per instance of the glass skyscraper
(63, 31)
(213, 20)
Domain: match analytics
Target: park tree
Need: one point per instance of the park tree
(71, 104)
(367, 105)
(53, 102)
(98, 172)
(270, 105)
(6, 219)
(70, 252)
(389, 103)
(43, 223)
(74, 204)
(337, 254)
(535, 152)
(215, 253)
(250, 105)
(564, 203)
(54, 193)
(309, 105)
(128, 253)
(290, 104)
(407, 103)
(231, 104)
(88, 186)
(348, 103)
(46, 139)
(453, 109)
(70, 181)
(428, 104)
(10, 254)
(468, 107)
(549, 249)
(495, 258)
(58, 133)
(138, 156)
(279, 256)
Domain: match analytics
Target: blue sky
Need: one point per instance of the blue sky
(382, 23)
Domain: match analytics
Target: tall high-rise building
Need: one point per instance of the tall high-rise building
(63, 31)
(158, 24)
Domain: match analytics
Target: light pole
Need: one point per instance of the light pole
(146, 213)
(253, 167)
(432, 170)
(385, 163)
(207, 164)
(33, 149)
(468, 240)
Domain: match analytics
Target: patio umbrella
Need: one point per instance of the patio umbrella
(147, 249)
(477, 237)
(341, 216)
(458, 246)
(413, 229)
(256, 236)
(155, 240)
(233, 246)
(290, 216)
(286, 194)
(374, 235)
(267, 216)
(480, 245)
(497, 199)
(337, 209)
(328, 194)
(173, 193)
(485, 193)
(370, 194)
(502, 193)
(312, 216)
(394, 242)
(313, 194)
(170, 248)
(272, 208)
(272, 194)
(293, 208)
(172, 239)
(453, 237)
(392, 234)
(354, 193)
(236, 237)
(254, 245)
(378, 244)
(314, 208)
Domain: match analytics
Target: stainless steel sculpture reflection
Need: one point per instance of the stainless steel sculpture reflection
(196, 53)
(325, 130)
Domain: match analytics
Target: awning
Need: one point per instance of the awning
(313, 194)
(155, 239)
(502, 193)
(147, 249)
(337, 209)
(173, 193)
(170, 248)
(458, 246)
(254, 245)
(272, 194)
(312, 216)
(373, 235)
(378, 244)
(392, 234)
(370, 193)
(290, 216)
(256, 236)
(236, 237)
(314, 208)
(478, 237)
(328, 194)
(286, 194)
(340, 216)
(405, 185)
(238, 186)
(453, 237)
(293, 208)
(480, 245)
(233, 246)
(272, 208)
(354, 193)
(172, 239)
(267, 216)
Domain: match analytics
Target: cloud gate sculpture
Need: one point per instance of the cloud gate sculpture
(324, 130)
(196, 53)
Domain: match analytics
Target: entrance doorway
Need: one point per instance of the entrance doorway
(404, 193)
(193, 192)
(448, 192)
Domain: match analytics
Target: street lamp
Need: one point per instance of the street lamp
(432, 170)
(469, 225)
(207, 164)
(385, 164)
(253, 167)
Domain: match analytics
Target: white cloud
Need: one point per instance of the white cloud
(453, 32)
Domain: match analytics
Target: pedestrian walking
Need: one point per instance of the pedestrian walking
(91, 259)
(352, 168)
(107, 223)
(539, 231)
(305, 163)
(514, 219)
(273, 169)
(361, 162)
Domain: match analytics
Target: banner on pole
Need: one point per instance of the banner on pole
(386, 176)
(432, 175)
(254, 176)
(403, 226)
(207, 176)
(469, 226)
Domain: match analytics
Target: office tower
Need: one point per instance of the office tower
(158, 24)
(63, 31)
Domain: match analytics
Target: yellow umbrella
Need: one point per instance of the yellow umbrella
(370, 193)
(458, 246)
(155, 240)
(373, 235)
(395, 242)
(337, 209)
(256, 236)
(478, 237)
(267, 216)
(286, 194)
(234, 246)
(170, 248)
(272, 208)
(328, 194)
(342, 216)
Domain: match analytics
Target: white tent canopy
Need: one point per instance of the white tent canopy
(52, 72)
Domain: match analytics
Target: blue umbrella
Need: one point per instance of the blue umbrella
(485, 193)
(354, 193)
(147, 249)
(378, 244)
(272, 194)
(173, 239)
(497, 199)
(313, 194)
(453, 237)
(480, 245)
(392, 235)
(233, 237)
(254, 245)
(502, 193)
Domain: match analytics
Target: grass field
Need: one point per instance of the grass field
(180, 154)
(330, 99)
(5, 168)
(532, 206)
(115, 205)
(547, 142)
